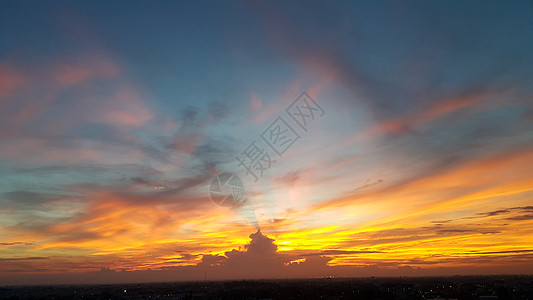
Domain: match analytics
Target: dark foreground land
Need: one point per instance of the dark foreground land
(458, 287)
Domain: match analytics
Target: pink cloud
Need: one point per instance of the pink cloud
(255, 103)
(10, 79)
(124, 108)
(28, 113)
(95, 67)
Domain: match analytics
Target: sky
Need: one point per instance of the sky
(367, 138)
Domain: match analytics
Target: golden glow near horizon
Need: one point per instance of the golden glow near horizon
(404, 226)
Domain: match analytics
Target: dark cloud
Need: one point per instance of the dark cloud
(524, 208)
(209, 260)
(467, 231)
(498, 252)
(213, 152)
(77, 236)
(24, 258)
(494, 213)
(410, 234)
(339, 252)
(190, 132)
(442, 221)
(179, 186)
(192, 129)
(261, 245)
(260, 259)
(188, 256)
(521, 217)
(207, 151)
(16, 243)
(369, 183)
(28, 198)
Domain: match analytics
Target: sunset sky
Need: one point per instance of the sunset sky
(115, 117)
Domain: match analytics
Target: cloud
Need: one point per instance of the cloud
(261, 259)
(339, 252)
(125, 108)
(437, 179)
(15, 243)
(495, 213)
(190, 132)
(27, 198)
(498, 252)
(74, 109)
(255, 103)
(521, 217)
(23, 258)
(435, 110)
(288, 179)
(10, 80)
(105, 180)
(90, 89)
(271, 108)
(261, 245)
(82, 71)
(192, 129)
(394, 70)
